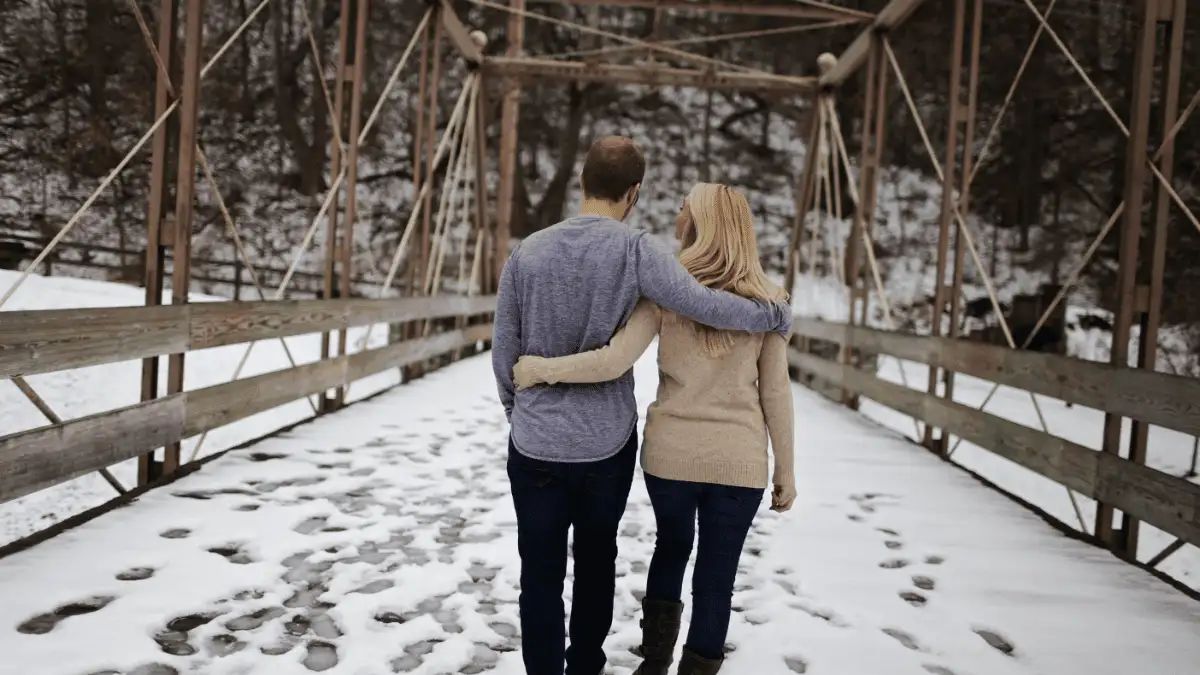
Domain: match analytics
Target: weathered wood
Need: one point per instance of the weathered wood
(223, 404)
(660, 76)
(1165, 501)
(1169, 401)
(891, 16)
(36, 459)
(221, 324)
(42, 341)
(39, 458)
(458, 34)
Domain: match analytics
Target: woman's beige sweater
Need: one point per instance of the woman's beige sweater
(713, 414)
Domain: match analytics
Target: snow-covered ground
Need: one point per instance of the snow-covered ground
(86, 391)
(376, 541)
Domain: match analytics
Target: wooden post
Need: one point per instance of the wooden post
(953, 120)
(185, 192)
(1150, 277)
(156, 243)
(964, 191)
(510, 115)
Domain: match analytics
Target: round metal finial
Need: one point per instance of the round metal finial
(826, 62)
(479, 38)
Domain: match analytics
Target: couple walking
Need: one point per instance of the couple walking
(563, 364)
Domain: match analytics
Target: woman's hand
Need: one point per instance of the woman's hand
(528, 372)
(783, 496)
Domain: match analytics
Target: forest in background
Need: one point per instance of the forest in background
(76, 92)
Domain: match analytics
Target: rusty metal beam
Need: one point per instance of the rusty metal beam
(792, 11)
(1171, 18)
(458, 34)
(155, 244)
(892, 16)
(528, 69)
(510, 113)
(185, 193)
(954, 119)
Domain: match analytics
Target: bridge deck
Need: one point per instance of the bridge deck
(382, 539)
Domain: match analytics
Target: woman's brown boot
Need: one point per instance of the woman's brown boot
(660, 631)
(691, 664)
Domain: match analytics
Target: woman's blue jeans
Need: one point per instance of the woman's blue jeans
(725, 514)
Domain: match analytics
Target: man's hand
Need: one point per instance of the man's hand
(528, 372)
(783, 496)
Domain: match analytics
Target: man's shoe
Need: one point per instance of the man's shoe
(691, 664)
(660, 631)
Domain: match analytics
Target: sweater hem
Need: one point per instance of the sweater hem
(736, 474)
(563, 460)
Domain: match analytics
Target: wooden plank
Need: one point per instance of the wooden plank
(793, 11)
(1165, 501)
(1169, 401)
(37, 459)
(223, 404)
(219, 324)
(43, 341)
(890, 17)
(660, 76)
(458, 34)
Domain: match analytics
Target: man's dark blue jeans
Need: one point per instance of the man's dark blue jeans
(725, 514)
(550, 498)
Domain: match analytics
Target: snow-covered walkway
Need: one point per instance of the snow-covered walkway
(382, 539)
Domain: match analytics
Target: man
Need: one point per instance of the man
(564, 290)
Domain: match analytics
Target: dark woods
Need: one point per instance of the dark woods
(76, 92)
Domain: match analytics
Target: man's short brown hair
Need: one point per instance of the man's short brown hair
(613, 165)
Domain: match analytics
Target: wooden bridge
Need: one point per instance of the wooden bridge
(378, 537)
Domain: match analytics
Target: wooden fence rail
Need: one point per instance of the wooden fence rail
(1169, 503)
(45, 341)
(42, 341)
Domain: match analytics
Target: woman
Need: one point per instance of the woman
(720, 395)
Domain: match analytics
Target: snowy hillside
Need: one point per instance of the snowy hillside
(86, 391)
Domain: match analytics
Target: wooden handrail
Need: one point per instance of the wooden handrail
(42, 341)
(1167, 502)
(39, 458)
(1169, 401)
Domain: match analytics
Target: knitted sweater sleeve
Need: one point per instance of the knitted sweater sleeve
(775, 395)
(599, 365)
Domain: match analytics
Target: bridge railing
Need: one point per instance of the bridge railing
(43, 341)
(1165, 501)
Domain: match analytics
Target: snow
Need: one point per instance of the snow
(1167, 451)
(382, 539)
(86, 391)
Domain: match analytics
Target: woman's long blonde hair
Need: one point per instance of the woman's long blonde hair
(720, 250)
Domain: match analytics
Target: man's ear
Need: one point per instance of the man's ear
(634, 193)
